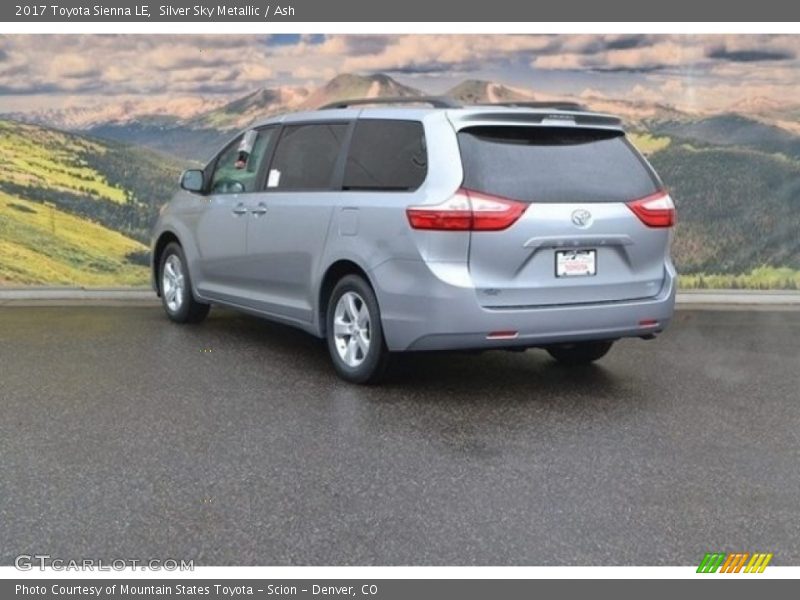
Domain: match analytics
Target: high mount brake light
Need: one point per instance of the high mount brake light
(467, 210)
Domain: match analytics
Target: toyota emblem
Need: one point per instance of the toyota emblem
(581, 218)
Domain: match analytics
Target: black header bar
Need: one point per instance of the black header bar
(441, 11)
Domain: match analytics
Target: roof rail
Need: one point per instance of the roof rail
(434, 101)
(554, 105)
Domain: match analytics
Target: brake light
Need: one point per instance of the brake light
(655, 210)
(467, 210)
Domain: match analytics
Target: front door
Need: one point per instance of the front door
(221, 230)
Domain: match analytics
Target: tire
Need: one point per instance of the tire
(176, 287)
(355, 342)
(580, 353)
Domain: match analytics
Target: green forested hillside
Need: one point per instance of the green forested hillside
(74, 210)
(738, 209)
(117, 185)
(40, 244)
(733, 130)
(174, 139)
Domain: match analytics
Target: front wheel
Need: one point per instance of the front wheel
(176, 288)
(354, 332)
(579, 353)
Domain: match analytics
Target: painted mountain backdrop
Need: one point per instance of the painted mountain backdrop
(80, 188)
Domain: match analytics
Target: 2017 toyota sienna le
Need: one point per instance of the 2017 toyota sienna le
(431, 226)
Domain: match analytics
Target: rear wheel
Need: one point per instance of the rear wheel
(354, 332)
(176, 288)
(579, 353)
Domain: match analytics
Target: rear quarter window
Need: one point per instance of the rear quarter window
(386, 155)
(554, 164)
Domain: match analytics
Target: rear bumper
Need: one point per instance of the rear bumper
(422, 311)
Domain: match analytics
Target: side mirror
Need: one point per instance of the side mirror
(193, 180)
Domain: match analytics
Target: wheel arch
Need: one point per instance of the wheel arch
(333, 274)
(166, 238)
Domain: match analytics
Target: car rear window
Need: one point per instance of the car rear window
(554, 164)
(386, 155)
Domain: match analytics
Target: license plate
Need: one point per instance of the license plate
(576, 263)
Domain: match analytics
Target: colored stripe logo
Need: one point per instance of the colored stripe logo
(734, 562)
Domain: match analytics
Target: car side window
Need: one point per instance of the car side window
(306, 156)
(386, 155)
(237, 167)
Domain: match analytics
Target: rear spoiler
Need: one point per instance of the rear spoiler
(554, 118)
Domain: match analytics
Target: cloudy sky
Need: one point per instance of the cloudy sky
(43, 71)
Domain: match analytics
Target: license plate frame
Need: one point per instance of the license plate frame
(578, 262)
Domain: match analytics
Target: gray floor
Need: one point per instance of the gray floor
(124, 436)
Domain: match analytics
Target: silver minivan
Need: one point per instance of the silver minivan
(385, 228)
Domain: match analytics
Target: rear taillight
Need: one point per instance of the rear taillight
(655, 210)
(467, 210)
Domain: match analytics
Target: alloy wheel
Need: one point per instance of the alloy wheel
(173, 283)
(352, 329)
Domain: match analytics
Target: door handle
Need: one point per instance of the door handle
(259, 210)
(240, 209)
